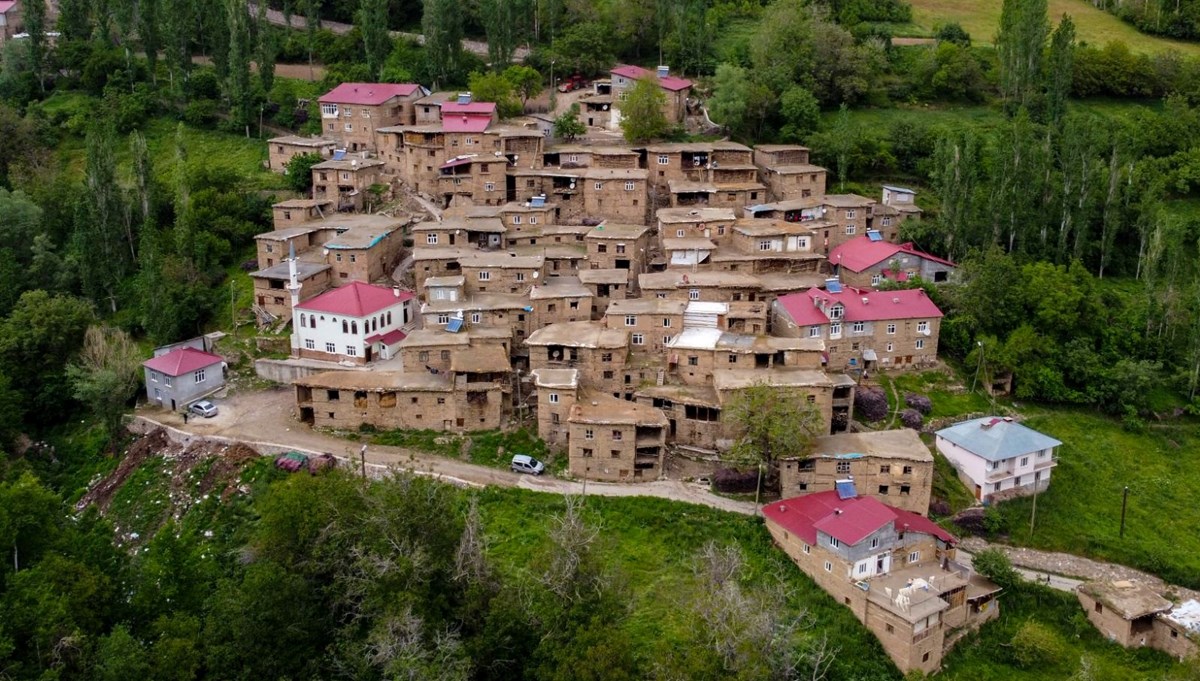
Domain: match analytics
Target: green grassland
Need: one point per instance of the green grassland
(981, 18)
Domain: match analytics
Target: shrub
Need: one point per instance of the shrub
(919, 402)
(1036, 646)
(911, 418)
(939, 507)
(730, 481)
(996, 566)
(871, 404)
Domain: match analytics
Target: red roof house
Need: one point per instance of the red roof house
(847, 520)
(816, 307)
(869, 255)
(355, 299)
(182, 361)
(368, 94)
(672, 83)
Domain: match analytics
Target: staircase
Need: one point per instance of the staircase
(662, 376)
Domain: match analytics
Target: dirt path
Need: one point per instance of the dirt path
(264, 421)
(299, 23)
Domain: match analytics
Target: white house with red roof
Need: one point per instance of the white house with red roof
(180, 376)
(862, 329)
(867, 260)
(624, 77)
(353, 324)
(351, 112)
(894, 569)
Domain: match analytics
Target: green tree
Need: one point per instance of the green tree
(442, 23)
(371, 19)
(1024, 27)
(585, 47)
(299, 171)
(995, 565)
(801, 113)
(1060, 64)
(103, 239)
(526, 82)
(75, 19)
(731, 95)
(266, 50)
(568, 126)
(41, 336)
(149, 33)
(28, 513)
(237, 84)
(771, 423)
(642, 116)
(34, 14)
(105, 375)
(502, 21)
(120, 656)
(494, 87)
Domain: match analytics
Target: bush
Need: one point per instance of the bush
(730, 481)
(1036, 646)
(939, 507)
(996, 566)
(201, 113)
(911, 418)
(871, 404)
(918, 402)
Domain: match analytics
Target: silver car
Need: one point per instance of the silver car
(204, 408)
(523, 463)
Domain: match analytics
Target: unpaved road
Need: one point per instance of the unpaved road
(299, 23)
(265, 420)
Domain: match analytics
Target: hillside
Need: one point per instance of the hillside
(981, 18)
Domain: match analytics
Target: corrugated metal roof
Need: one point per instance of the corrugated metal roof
(996, 439)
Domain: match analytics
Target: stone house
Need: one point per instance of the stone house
(845, 216)
(704, 285)
(414, 154)
(863, 329)
(388, 400)
(367, 248)
(770, 238)
(714, 224)
(676, 89)
(616, 246)
(902, 200)
(615, 194)
(528, 218)
(272, 300)
(352, 112)
(816, 386)
(456, 231)
(1124, 611)
(895, 570)
(893, 466)
(501, 272)
(346, 182)
(273, 247)
(605, 286)
(650, 322)
(694, 162)
(355, 324)
(566, 156)
(867, 260)
(295, 212)
(550, 235)
(786, 172)
(731, 195)
(559, 299)
(435, 349)
(614, 440)
(505, 313)
(556, 393)
(280, 150)
(182, 375)
(998, 458)
(695, 354)
(694, 426)
(11, 21)
(472, 179)
(428, 109)
(600, 354)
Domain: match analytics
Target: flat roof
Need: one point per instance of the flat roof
(604, 276)
(903, 443)
(766, 227)
(735, 379)
(1127, 598)
(555, 378)
(281, 271)
(616, 230)
(483, 359)
(420, 253)
(502, 260)
(646, 306)
(687, 215)
(297, 141)
(846, 200)
(378, 381)
(599, 408)
(774, 148)
(466, 224)
(688, 243)
(349, 164)
(579, 335)
(477, 301)
(687, 394)
(700, 147)
(615, 173)
(435, 282)
(559, 287)
(794, 169)
(303, 203)
(700, 279)
(288, 233)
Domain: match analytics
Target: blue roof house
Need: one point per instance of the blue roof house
(998, 458)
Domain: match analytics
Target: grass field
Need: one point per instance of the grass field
(1081, 512)
(981, 18)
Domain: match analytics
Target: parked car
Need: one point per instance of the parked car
(204, 408)
(523, 463)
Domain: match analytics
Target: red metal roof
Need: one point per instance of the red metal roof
(7, 5)
(355, 300)
(389, 338)
(859, 517)
(860, 253)
(465, 123)
(488, 108)
(669, 83)
(181, 360)
(859, 305)
(367, 94)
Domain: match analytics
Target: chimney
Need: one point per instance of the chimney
(664, 71)
(396, 291)
(464, 98)
(866, 300)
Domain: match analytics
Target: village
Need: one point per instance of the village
(622, 298)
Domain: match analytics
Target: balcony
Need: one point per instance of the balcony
(1045, 463)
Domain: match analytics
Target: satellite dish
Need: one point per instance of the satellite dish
(606, 107)
(556, 355)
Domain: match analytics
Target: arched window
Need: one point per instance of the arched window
(345, 327)
(354, 328)
(389, 317)
(302, 321)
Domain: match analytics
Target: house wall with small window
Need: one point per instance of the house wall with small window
(794, 184)
(354, 125)
(179, 392)
(548, 311)
(615, 452)
(280, 151)
(600, 369)
(619, 199)
(494, 278)
(478, 183)
(368, 264)
(903, 483)
(913, 265)
(272, 294)
(440, 408)
(898, 343)
(553, 408)
(341, 338)
(346, 182)
(649, 331)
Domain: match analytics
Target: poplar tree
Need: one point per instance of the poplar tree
(1061, 65)
(1024, 28)
(237, 84)
(35, 25)
(371, 18)
(442, 23)
(148, 28)
(267, 50)
(500, 19)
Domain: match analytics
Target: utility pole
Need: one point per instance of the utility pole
(233, 307)
(362, 455)
(1033, 511)
(1124, 503)
(758, 491)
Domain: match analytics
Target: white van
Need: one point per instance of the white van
(523, 463)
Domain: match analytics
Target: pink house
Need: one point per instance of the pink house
(676, 89)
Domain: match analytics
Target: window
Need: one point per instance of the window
(476, 317)
(806, 548)
(599, 186)
(533, 219)
(353, 258)
(891, 629)
(351, 351)
(170, 381)
(850, 213)
(423, 356)
(914, 556)
(810, 399)
(891, 329)
(588, 435)
(889, 347)
(833, 541)
(693, 360)
(835, 330)
(908, 470)
(586, 453)
(885, 468)
(154, 376)
(694, 294)
(431, 239)
(666, 322)
(875, 279)
(616, 434)
(843, 467)
(608, 375)
(814, 332)
(330, 347)
(851, 229)
(484, 275)
(329, 109)
(310, 344)
(489, 186)
(859, 327)
(861, 568)
(887, 222)
(925, 657)
(614, 453)
(1025, 461)
(663, 159)
(348, 112)
(679, 233)
(606, 357)
(828, 566)
(764, 244)
(629, 186)
(920, 343)
(638, 339)
(553, 398)
(620, 248)
(602, 248)
(349, 127)
(630, 320)
(905, 490)
(883, 490)
(443, 319)
(836, 312)
(922, 327)
(445, 355)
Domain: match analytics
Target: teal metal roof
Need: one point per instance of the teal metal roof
(996, 439)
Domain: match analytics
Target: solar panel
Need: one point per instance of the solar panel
(845, 489)
(874, 236)
(339, 154)
(833, 286)
(454, 325)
